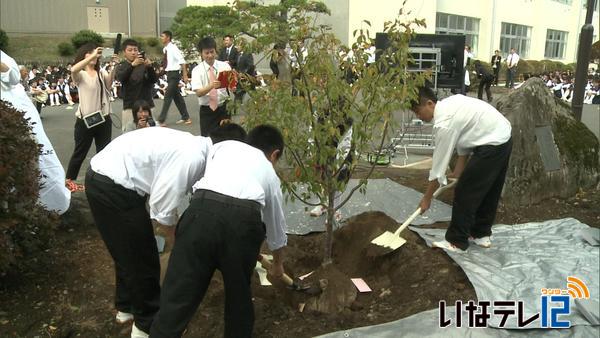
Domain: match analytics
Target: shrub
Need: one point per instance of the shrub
(25, 227)
(3, 40)
(65, 49)
(152, 41)
(84, 36)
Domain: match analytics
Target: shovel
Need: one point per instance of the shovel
(393, 241)
(294, 284)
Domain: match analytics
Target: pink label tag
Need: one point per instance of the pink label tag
(361, 285)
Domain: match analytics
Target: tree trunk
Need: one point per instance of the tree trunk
(329, 227)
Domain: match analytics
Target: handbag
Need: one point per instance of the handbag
(96, 118)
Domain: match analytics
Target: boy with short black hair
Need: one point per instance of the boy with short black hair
(223, 229)
(475, 129)
(211, 97)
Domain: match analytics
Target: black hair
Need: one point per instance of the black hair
(206, 42)
(266, 138)
(168, 34)
(228, 132)
(424, 93)
(85, 49)
(129, 42)
(142, 105)
(228, 36)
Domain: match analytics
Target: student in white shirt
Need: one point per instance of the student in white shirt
(475, 129)
(145, 165)
(211, 97)
(511, 68)
(175, 63)
(223, 229)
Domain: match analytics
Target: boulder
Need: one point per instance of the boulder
(553, 154)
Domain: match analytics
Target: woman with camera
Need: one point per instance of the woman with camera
(142, 116)
(93, 114)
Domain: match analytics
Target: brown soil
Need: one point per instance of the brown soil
(71, 292)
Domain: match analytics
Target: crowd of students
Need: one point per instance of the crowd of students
(562, 86)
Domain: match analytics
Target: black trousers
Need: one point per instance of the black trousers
(100, 134)
(209, 119)
(477, 194)
(38, 106)
(173, 93)
(485, 83)
(124, 224)
(496, 75)
(510, 77)
(212, 234)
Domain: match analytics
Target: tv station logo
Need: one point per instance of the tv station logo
(555, 302)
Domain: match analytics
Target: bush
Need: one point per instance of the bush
(25, 227)
(85, 36)
(65, 49)
(152, 41)
(3, 40)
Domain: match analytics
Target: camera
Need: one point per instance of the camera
(150, 121)
(142, 54)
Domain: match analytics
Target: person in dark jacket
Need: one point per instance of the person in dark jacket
(137, 77)
(229, 52)
(496, 62)
(485, 80)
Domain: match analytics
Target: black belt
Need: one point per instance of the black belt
(214, 196)
(99, 177)
(171, 71)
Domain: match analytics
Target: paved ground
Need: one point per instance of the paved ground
(59, 121)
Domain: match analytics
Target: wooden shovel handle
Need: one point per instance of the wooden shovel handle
(418, 211)
(267, 265)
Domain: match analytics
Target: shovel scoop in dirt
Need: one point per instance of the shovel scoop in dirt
(295, 284)
(392, 241)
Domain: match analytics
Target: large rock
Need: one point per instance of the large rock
(570, 157)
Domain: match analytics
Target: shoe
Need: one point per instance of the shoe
(484, 242)
(162, 124)
(137, 333)
(180, 121)
(318, 211)
(72, 186)
(446, 246)
(123, 317)
(188, 121)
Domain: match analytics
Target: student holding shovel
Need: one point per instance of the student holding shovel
(475, 129)
(223, 229)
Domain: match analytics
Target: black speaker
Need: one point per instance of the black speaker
(451, 72)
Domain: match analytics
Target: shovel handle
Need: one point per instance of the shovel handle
(267, 265)
(418, 211)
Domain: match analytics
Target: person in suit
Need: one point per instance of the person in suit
(247, 72)
(229, 53)
(496, 62)
(485, 80)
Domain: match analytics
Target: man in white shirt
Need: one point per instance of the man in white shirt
(474, 128)
(223, 229)
(53, 195)
(150, 165)
(511, 68)
(211, 97)
(173, 62)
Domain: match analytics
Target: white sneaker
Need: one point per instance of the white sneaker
(318, 211)
(137, 333)
(446, 246)
(484, 242)
(123, 317)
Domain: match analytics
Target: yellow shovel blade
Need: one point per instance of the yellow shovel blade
(389, 240)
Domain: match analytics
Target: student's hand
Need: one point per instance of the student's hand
(276, 271)
(425, 204)
(142, 123)
(97, 52)
(216, 84)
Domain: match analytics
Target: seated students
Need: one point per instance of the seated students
(142, 116)
(157, 165)
(223, 229)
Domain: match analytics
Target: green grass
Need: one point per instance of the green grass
(42, 49)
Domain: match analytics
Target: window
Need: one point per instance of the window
(459, 25)
(556, 43)
(517, 37)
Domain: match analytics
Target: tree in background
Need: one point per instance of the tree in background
(85, 36)
(3, 40)
(195, 22)
(318, 106)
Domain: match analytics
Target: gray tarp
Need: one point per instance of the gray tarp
(397, 201)
(523, 259)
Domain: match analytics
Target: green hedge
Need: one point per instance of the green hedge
(3, 40)
(25, 226)
(85, 36)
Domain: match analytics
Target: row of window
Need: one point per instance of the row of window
(511, 35)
